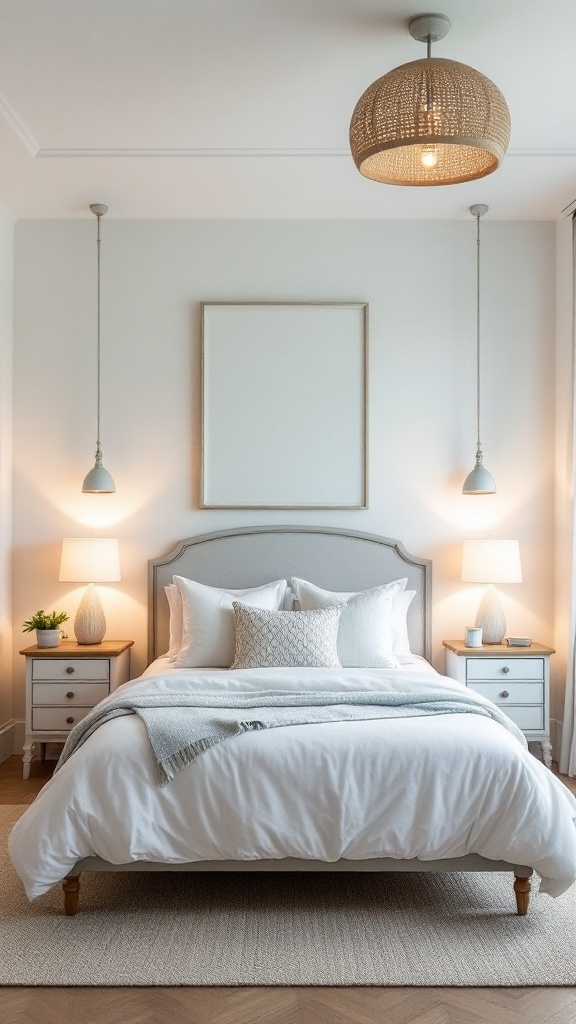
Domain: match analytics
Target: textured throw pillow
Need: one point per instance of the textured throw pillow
(365, 638)
(286, 639)
(208, 620)
(175, 606)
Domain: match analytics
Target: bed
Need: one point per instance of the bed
(439, 792)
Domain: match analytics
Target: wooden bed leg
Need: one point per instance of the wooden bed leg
(522, 887)
(71, 887)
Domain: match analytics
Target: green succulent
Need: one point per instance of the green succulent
(44, 620)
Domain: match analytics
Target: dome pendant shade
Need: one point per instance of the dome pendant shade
(479, 481)
(98, 480)
(430, 122)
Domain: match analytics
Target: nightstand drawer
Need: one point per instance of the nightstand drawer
(82, 694)
(69, 669)
(505, 668)
(511, 693)
(526, 718)
(57, 719)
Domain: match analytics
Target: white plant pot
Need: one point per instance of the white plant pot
(47, 637)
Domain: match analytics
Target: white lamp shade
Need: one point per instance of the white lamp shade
(90, 560)
(491, 561)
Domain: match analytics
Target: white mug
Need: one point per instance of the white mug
(473, 636)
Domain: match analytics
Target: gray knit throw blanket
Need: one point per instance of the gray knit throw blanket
(182, 726)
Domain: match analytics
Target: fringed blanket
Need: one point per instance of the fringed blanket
(181, 727)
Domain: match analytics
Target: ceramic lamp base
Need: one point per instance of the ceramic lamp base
(90, 624)
(491, 617)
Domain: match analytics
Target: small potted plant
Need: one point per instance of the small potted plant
(47, 626)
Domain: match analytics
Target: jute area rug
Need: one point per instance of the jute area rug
(284, 929)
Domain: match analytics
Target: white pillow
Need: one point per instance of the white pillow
(286, 639)
(175, 605)
(365, 637)
(208, 620)
(399, 624)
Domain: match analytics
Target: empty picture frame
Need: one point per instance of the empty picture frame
(284, 405)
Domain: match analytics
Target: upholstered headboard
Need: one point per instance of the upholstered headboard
(332, 558)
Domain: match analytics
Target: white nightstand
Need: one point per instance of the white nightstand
(64, 683)
(517, 679)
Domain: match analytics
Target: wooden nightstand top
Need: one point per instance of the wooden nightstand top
(69, 648)
(496, 650)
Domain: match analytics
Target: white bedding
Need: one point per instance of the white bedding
(427, 788)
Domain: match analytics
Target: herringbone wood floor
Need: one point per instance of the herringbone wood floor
(269, 1005)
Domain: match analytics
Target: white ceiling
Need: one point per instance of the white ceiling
(240, 108)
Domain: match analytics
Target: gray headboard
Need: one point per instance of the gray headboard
(332, 558)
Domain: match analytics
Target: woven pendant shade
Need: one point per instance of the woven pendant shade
(430, 122)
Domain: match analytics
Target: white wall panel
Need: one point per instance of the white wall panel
(419, 279)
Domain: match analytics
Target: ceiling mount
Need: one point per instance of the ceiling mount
(431, 27)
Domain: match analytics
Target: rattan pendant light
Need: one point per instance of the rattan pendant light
(430, 122)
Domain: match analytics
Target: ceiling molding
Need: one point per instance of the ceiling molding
(18, 127)
(199, 153)
(195, 153)
(569, 210)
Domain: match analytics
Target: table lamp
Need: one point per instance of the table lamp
(90, 560)
(491, 561)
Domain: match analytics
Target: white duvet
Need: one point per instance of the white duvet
(428, 788)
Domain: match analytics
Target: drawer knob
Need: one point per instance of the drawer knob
(70, 720)
(504, 693)
(505, 669)
(70, 670)
(70, 693)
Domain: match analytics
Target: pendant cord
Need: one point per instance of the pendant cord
(98, 244)
(478, 330)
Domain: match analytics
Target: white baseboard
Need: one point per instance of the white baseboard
(556, 737)
(11, 739)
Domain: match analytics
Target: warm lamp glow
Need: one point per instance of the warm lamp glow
(491, 561)
(90, 560)
(429, 156)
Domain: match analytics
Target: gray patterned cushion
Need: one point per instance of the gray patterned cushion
(267, 639)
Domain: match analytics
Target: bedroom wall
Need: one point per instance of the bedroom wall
(564, 465)
(419, 279)
(6, 637)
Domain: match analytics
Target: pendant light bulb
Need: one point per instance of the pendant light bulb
(479, 481)
(429, 156)
(98, 480)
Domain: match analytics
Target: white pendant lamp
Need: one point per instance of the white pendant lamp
(431, 121)
(479, 481)
(98, 480)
